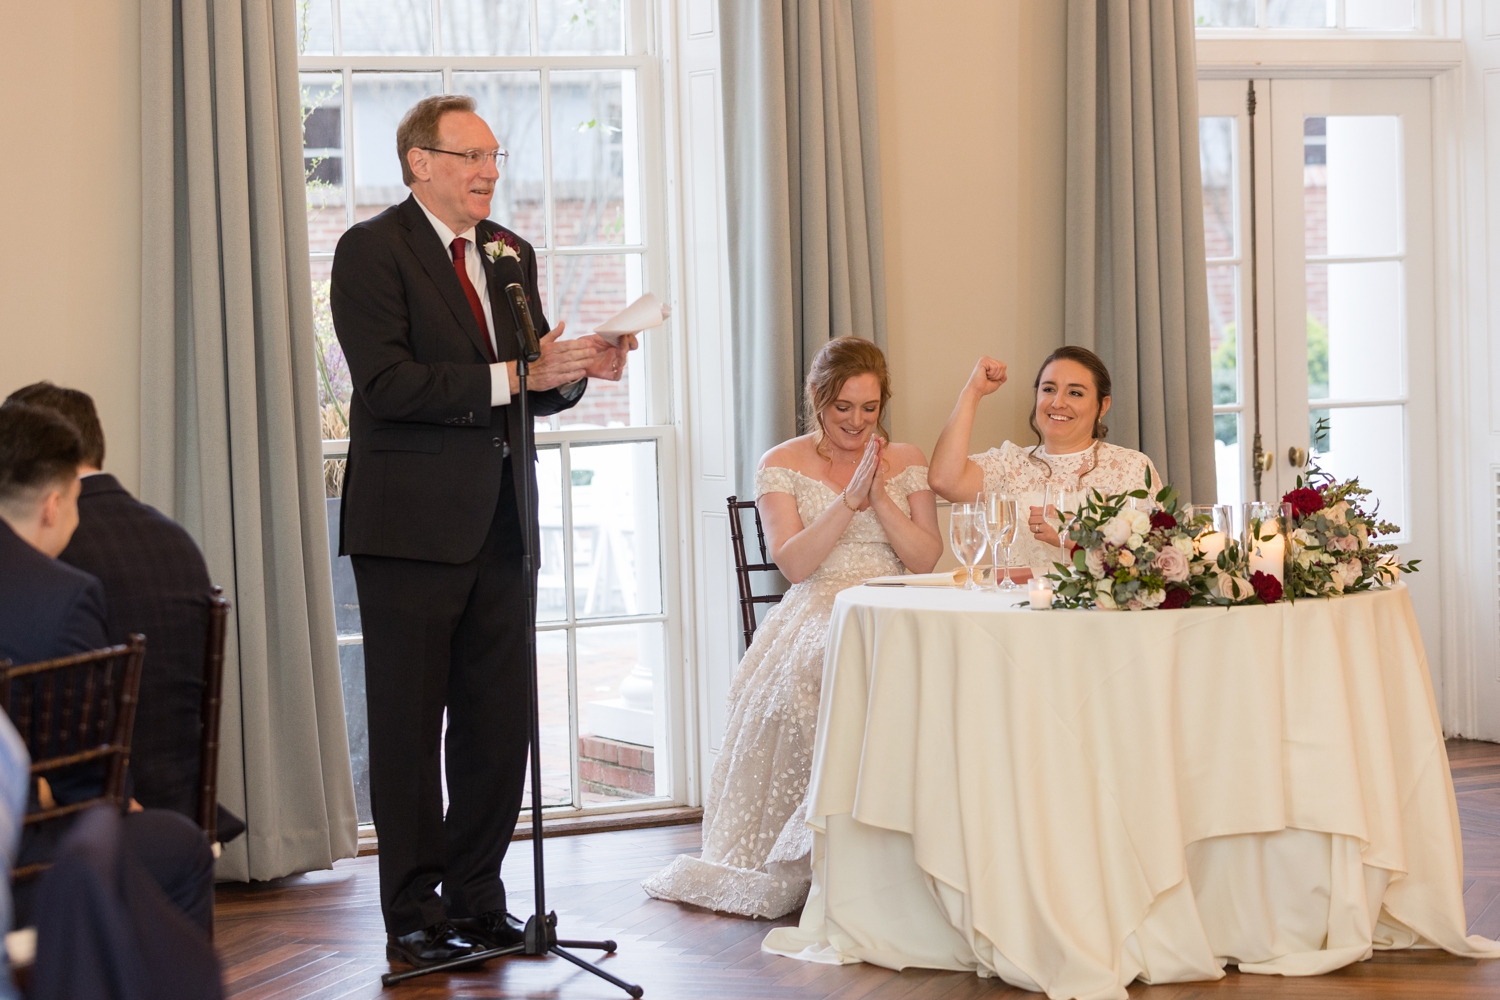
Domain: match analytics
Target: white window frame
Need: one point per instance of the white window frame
(642, 55)
(1436, 52)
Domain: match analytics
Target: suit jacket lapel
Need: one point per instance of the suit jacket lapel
(424, 242)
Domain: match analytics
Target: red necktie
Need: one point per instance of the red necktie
(473, 296)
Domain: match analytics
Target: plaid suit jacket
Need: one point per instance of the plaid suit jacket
(155, 583)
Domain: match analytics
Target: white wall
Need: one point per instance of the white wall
(70, 256)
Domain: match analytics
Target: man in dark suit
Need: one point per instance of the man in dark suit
(49, 609)
(430, 519)
(155, 583)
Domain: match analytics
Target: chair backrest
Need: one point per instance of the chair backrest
(213, 697)
(75, 710)
(743, 567)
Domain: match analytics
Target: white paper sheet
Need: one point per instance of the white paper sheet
(644, 313)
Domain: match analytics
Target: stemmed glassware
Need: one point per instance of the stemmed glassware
(968, 530)
(1003, 519)
(1063, 500)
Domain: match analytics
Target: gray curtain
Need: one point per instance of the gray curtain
(1136, 287)
(802, 165)
(230, 440)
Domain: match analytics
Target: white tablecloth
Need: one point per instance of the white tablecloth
(1074, 799)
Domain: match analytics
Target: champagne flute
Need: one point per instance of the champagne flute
(969, 532)
(1063, 501)
(1003, 518)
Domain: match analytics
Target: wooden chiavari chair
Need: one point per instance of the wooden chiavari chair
(743, 567)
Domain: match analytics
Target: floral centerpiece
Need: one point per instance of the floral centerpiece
(1332, 539)
(1129, 558)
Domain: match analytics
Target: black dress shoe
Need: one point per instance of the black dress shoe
(495, 929)
(428, 946)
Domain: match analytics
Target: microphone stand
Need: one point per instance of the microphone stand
(541, 927)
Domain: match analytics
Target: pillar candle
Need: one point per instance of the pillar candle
(1269, 557)
(1211, 543)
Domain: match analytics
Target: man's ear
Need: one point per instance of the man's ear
(51, 504)
(420, 163)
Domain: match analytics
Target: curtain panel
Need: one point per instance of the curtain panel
(230, 438)
(1136, 283)
(802, 171)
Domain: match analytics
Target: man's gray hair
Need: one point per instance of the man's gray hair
(419, 126)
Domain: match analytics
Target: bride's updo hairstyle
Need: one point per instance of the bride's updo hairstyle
(1102, 387)
(837, 362)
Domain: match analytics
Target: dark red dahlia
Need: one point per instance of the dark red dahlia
(1304, 501)
(1267, 587)
(1177, 597)
(1162, 521)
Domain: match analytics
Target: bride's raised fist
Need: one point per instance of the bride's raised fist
(988, 375)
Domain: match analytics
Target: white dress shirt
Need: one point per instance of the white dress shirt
(499, 373)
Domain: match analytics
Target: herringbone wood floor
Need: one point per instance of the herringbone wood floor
(320, 936)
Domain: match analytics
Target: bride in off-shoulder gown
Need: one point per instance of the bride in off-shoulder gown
(756, 843)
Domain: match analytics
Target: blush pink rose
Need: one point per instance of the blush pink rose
(1172, 565)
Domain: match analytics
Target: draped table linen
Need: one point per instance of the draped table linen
(1072, 800)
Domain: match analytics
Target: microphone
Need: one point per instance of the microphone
(525, 332)
(531, 350)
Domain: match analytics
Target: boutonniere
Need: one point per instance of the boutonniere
(502, 247)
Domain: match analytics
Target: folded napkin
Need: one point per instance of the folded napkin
(953, 578)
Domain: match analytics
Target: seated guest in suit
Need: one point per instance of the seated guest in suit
(155, 583)
(49, 609)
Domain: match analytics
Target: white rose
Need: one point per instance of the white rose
(1172, 565)
(509, 251)
(1135, 541)
(1183, 544)
(1352, 571)
(1335, 514)
(1140, 522)
(1105, 600)
(1153, 598)
(1116, 530)
(1094, 560)
(1233, 587)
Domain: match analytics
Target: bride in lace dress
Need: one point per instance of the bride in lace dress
(1072, 396)
(839, 505)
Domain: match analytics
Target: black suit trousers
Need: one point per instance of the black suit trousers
(441, 636)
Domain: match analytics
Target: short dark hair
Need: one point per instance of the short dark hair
(75, 405)
(39, 451)
(419, 126)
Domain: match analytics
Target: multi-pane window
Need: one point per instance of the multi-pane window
(1218, 154)
(1354, 240)
(1352, 15)
(561, 84)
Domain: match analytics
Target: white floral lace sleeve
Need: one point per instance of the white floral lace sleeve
(774, 479)
(912, 479)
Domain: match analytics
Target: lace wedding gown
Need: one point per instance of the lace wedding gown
(1027, 471)
(756, 844)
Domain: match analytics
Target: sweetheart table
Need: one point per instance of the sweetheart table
(1073, 800)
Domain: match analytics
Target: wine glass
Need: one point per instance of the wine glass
(968, 530)
(1003, 519)
(1063, 500)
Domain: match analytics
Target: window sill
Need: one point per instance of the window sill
(572, 826)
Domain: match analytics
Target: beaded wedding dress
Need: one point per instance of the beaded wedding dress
(756, 844)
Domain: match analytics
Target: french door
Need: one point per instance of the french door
(1343, 281)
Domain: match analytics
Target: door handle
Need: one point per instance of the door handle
(1296, 457)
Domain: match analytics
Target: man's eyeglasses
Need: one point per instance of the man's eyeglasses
(475, 157)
